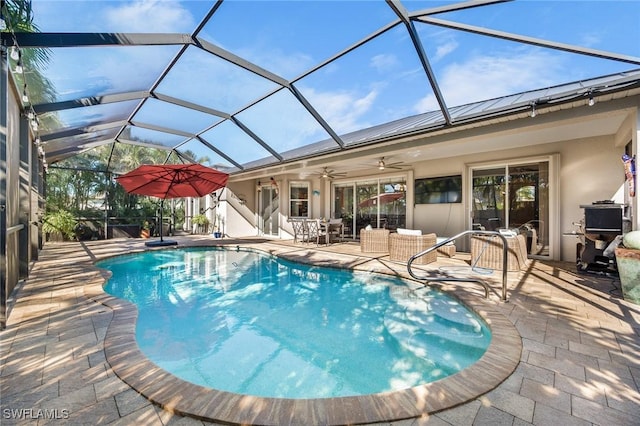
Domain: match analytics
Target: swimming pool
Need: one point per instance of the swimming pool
(250, 323)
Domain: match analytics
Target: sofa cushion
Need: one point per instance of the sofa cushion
(403, 231)
(441, 239)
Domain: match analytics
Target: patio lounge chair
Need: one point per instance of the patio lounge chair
(374, 240)
(486, 252)
(406, 243)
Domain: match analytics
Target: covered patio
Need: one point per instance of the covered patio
(578, 364)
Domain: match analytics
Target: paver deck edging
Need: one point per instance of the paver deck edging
(178, 396)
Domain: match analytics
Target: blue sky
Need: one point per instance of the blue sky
(377, 83)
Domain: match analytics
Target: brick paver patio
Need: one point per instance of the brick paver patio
(580, 362)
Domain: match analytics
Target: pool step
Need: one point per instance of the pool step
(436, 329)
(420, 308)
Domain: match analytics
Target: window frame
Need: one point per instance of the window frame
(299, 184)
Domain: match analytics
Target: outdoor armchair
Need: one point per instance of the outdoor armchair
(404, 245)
(374, 240)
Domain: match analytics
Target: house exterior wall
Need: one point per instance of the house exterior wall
(14, 203)
(588, 168)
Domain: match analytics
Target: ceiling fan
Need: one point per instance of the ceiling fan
(382, 164)
(327, 173)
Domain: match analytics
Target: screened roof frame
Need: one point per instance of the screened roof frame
(335, 143)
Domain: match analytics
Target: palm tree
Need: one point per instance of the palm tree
(18, 15)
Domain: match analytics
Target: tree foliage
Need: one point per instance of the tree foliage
(85, 184)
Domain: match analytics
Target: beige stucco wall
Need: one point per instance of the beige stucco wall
(589, 170)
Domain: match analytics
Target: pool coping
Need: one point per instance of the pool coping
(180, 397)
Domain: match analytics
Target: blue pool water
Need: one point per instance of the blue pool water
(250, 323)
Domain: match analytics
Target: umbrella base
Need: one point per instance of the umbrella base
(161, 243)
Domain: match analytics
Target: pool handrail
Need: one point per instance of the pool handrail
(475, 280)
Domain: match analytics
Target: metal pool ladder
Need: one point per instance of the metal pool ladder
(469, 279)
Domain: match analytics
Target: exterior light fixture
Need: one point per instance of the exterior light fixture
(18, 69)
(25, 96)
(15, 53)
(380, 164)
(533, 110)
(592, 101)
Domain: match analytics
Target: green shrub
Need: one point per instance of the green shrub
(200, 219)
(60, 224)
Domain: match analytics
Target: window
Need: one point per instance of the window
(299, 199)
(446, 189)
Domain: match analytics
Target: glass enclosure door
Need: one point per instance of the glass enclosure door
(392, 202)
(343, 207)
(489, 187)
(380, 203)
(366, 205)
(514, 196)
(269, 208)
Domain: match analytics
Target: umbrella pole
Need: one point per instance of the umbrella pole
(161, 208)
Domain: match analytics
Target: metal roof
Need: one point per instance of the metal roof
(209, 95)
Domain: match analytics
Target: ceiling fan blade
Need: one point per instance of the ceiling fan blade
(329, 173)
(398, 166)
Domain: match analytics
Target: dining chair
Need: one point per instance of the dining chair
(298, 229)
(335, 229)
(315, 231)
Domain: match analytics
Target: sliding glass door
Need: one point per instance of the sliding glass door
(343, 205)
(514, 196)
(380, 203)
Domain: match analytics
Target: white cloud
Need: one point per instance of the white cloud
(288, 65)
(444, 49)
(591, 40)
(384, 63)
(342, 110)
(487, 77)
(150, 16)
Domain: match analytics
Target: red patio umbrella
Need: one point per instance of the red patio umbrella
(384, 198)
(173, 181)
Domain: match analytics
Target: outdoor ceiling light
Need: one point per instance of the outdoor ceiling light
(592, 101)
(533, 110)
(381, 164)
(325, 173)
